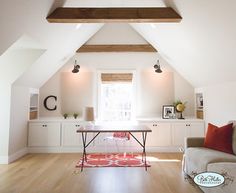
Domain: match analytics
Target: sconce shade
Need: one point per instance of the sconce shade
(88, 114)
(158, 70)
(76, 68)
(157, 67)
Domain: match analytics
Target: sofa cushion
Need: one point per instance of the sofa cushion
(227, 169)
(197, 159)
(219, 138)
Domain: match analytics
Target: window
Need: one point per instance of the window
(116, 97)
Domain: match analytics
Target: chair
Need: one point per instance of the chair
(119, 137)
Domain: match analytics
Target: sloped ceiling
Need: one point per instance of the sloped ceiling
(60, 41)
(201, 48)
(117, 33)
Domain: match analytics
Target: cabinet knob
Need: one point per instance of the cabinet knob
(188, 125)
(154, 125)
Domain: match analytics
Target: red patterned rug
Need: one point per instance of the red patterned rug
(113, 160)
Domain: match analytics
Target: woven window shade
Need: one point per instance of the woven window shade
(116, 77)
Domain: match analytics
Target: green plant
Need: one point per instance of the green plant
(65, 115)
(75, 115)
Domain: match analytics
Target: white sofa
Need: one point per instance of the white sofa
(198, 159)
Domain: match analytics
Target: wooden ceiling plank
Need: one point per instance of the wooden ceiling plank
(117, 48)
(108, 15)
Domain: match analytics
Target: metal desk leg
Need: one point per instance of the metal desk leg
(143, 145)
(85, 145)
(144, 135)
(84, 157)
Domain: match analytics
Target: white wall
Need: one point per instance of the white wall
(13, 63)
(220, 103)
(5, 98)
(77, 91)
(153, 90)
(20, 100)
(51, 87)
(184, 91)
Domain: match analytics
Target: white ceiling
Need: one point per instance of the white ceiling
(201, 48)
(20, 18)
(117, 33)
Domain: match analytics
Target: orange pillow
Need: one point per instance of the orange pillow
(219, 138)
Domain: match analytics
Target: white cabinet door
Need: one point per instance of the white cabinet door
(179, 132)
(164, 134)
(69, 135)
(160, 135)
(196, 130)
(44, 134)
(186, 129)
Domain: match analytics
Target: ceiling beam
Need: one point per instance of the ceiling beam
(107, 15)
(117, 48)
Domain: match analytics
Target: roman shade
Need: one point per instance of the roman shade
(116, 77)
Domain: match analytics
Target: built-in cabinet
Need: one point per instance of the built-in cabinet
(199, 105)
(160, 135)
(187, 129)
(69, 135)
(34, 103)
(166, 135)
(44, 134)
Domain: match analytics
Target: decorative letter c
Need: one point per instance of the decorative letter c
(45, 103)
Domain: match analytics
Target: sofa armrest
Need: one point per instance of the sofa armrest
(193, 142)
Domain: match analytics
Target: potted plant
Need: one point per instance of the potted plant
(75, 115)
(65, 115)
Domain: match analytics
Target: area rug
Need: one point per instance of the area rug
(113, 160)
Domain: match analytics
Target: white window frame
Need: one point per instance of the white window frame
(99, 82)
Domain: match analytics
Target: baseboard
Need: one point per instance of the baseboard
(24, 151)
(3, 159)
(54, 149)
(163, 149)
(98, 149)
(17, 155)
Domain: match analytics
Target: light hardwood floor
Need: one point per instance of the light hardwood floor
(56, 173)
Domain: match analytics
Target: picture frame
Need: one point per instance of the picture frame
(168, 111)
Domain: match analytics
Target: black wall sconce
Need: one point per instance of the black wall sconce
(157, 67)
(76, 67)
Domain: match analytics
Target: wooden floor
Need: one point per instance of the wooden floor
(56, 173)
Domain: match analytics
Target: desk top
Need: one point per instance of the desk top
(112, 128)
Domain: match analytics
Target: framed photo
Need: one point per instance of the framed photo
(168, 111)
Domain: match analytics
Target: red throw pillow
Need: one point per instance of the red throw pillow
(219, 138)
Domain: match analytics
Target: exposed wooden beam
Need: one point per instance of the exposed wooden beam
(106, 15)
(117, 48)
